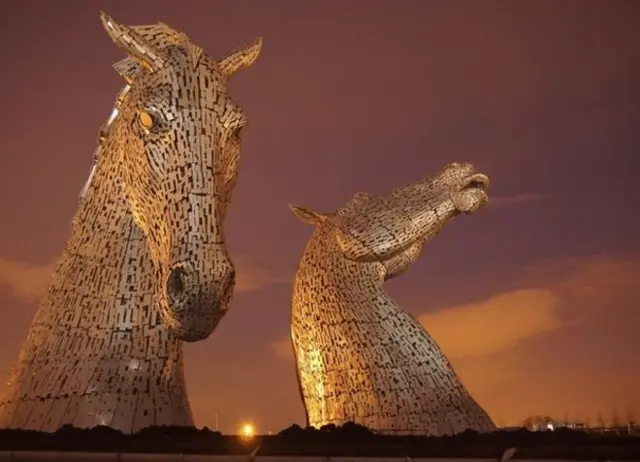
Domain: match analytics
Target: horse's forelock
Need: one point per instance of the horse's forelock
(163, 37)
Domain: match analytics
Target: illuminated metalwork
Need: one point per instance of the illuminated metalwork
(145, 267)
(359, 357)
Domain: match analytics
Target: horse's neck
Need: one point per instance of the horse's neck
(103, 224)
(324, 261)
(98, 331)
(105, 281)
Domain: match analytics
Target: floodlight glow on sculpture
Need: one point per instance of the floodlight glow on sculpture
(145, 267)
(359, 356)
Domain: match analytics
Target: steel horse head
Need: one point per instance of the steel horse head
(177, 133)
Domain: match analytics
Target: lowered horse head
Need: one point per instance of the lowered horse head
(177, 134)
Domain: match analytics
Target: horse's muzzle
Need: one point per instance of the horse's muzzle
(197, 299)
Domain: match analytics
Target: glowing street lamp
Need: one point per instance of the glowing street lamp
(248, 430)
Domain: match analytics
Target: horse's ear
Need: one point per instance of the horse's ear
(133, 44)
(307, 215)
(240, 58)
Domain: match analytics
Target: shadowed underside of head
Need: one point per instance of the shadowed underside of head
(177, 135)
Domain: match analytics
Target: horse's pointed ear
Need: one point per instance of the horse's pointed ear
(239, 58)
(132, 43)
(307, 215)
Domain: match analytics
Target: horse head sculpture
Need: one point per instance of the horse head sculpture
(177, 132)
(145, 266)
(359, 356)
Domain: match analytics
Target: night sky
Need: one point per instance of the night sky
(535, 298)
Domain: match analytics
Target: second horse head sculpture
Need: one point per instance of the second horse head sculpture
(359, 356)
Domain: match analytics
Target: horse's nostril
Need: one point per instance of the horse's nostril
(176, 283)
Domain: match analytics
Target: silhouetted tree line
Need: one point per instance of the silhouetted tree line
(349, 440)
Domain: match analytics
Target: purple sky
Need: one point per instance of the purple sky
(535, 298)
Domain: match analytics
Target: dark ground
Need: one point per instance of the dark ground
(349, 440)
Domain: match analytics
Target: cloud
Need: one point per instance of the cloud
(252, 276)
(584, 367)
(488, 326)
(29, 281)
(600, 282)
(566, 345)
(516, 200)
(558, 294)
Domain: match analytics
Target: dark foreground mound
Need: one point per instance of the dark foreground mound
(350, 440)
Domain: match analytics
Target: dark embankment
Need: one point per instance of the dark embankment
(350, 440)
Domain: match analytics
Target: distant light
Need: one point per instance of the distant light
(248, 431)
(550, 426)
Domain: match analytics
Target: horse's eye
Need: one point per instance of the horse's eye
(146, 119)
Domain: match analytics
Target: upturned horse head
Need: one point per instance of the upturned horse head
(177, 134)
